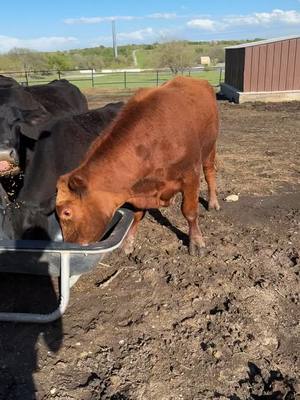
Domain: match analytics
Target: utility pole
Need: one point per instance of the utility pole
(115, 47)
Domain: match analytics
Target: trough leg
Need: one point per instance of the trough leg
(189, 208)
(64, 299)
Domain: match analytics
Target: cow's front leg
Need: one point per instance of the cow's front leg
(128, 243)
(189, 208)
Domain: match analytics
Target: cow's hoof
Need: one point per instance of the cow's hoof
(214, 205)
(197, 250)
(128, 246)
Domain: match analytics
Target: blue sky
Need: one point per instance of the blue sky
(61, 25)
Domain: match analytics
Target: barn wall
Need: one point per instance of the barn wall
(271, 66)
(234, 71)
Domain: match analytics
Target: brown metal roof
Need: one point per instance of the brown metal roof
(260, 42)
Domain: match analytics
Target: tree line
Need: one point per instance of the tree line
(175, 55)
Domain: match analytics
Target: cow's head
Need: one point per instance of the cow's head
(83, 213)
(20, 115)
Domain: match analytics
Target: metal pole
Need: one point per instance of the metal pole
(64, 299)
(156, 78)
(58, 73)
(26, 77)
(125, 83)
(113, 27)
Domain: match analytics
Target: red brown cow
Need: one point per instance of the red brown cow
(153, 150)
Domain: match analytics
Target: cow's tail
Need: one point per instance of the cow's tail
(217, 163)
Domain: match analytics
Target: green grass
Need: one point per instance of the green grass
(116, 80)
(148, 79)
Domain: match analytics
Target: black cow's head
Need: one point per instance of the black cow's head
(20, 114)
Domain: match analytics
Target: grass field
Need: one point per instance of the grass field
(119, 80)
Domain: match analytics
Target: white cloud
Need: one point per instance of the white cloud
(83, 20)
(163, 15)
(137, 36)
(167, 32)
(42, 43)
(202, 23)
(275, 18)
(97, 20)
(289, 17)
(146, 35)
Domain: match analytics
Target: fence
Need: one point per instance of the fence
(117, 79)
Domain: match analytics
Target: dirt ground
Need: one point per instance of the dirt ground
(162, 325)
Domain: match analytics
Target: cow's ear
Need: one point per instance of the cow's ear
(77, 184)
(35, 117)
(31, 121)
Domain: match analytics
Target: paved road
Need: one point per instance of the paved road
(134, 58)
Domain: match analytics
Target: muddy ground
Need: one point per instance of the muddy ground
(162, 325)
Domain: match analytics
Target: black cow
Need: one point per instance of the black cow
(59, 97)
(7, 81)
(60, 148)
(25, 111)
(6, 216)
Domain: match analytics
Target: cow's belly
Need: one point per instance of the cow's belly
(157, 198)
(168, 192)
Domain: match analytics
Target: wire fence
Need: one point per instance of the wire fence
(120, 79)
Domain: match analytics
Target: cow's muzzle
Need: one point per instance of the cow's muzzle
(9, 162)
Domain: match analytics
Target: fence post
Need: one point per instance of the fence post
(157, 78)
(93, 84)
(189, 71)
(125, 83)
(58, 73)
(26, 77)
(220, 76)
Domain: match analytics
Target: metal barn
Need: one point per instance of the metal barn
(267, 70)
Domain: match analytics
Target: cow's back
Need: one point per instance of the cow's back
(188, 106)
(178, 121)
(8, 82)
(59, 97)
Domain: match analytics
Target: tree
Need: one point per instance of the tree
(28, 59)
(58, 61)
(216, 53)
(94, 61)
(176, 55)
(78, 61)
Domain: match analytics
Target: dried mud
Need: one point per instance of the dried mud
(162, 325)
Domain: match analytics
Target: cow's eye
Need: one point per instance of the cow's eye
(67, 213)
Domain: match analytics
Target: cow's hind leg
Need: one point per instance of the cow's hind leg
(189, 208)
(210, 177)
(128, 244)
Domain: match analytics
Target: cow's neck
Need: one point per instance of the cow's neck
(116, 169)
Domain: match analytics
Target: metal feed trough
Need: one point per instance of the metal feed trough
(58, 259)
